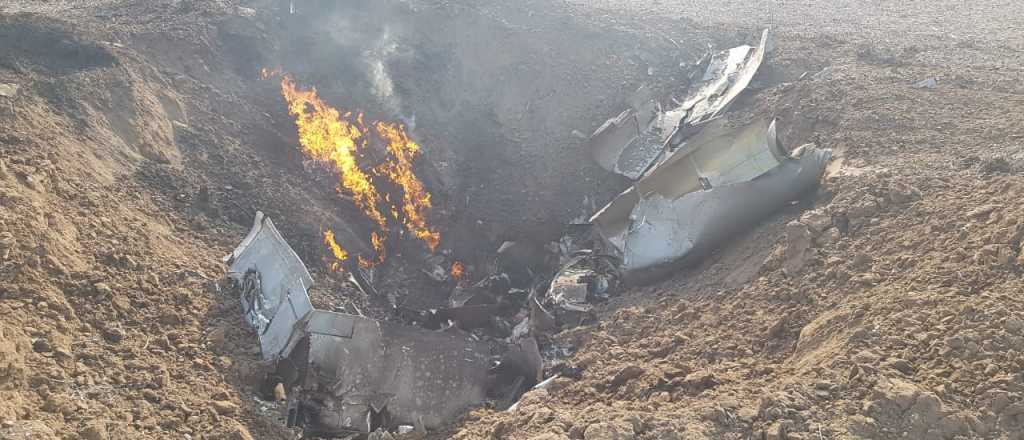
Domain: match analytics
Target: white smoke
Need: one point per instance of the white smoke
(376, 65)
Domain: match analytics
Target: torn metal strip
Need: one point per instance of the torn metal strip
(630, 143)
(728, 74)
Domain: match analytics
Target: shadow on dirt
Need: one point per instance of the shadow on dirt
(29, 42)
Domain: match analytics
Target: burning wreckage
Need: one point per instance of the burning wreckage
(349, 373)
(698, 180)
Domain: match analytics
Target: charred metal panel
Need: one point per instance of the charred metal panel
(422, 378)
(352, 373)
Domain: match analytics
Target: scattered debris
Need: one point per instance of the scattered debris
(522, 261)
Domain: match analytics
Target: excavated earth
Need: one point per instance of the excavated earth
(137, 141)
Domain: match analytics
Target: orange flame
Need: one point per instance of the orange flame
(330, 137)
(415, 200)
(378, 243)
(338, 252)
(458, 272)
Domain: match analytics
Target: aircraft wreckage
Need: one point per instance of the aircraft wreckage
(723, 181)
(349, 373)
(698, 178)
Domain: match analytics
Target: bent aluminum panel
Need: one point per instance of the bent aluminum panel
(719, 153)
(688, 228)
(728, 74)
(612, 137)
(628, 143)
(281, 299)
(423, 378)
(723, 180)
(631, 142)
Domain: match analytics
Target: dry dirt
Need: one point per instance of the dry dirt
(139, 141)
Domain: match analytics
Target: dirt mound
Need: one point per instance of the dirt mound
(106, 298)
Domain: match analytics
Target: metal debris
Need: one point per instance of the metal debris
(723, 181)
(586, 278)
(273, 284)
(630, 143)
(348, 373)
(356, 370)
(727, 75)
(929, 83)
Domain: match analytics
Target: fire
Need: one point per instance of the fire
(458, 272)
(415, 200)
(331, 137)
(338, 252)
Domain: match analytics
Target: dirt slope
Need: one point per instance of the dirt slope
(107, 306)
(139, 142)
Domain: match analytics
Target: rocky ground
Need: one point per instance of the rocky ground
(137, 142)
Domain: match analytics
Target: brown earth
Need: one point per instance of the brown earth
(139, 143)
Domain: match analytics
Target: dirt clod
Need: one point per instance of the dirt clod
(608, 431)
(624, 375)
(224, 407)
(95, 431)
